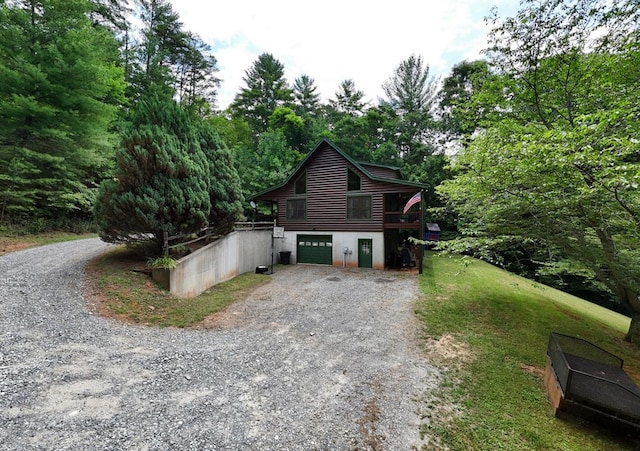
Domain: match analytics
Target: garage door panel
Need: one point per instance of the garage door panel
(315, 249)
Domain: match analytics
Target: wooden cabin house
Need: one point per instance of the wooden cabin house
(336, 211)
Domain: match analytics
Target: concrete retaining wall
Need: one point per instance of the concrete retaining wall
(236, 253)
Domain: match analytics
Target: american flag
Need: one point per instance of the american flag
(414, 200)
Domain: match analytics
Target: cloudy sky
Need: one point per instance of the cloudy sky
(335, 40)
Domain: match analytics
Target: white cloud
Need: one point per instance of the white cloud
(334, 40)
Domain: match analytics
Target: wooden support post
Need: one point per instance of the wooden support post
(165, 248)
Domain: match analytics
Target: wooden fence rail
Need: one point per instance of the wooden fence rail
(207, 233)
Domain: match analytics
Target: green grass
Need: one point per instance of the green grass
(505, 321)
(123, 289)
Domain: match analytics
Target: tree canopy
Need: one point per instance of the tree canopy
(556, 162)
(266, 89)
(60, 90)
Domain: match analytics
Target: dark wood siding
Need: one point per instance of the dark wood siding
(327, 195)
(378, 171)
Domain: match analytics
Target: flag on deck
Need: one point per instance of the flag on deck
(417, 197)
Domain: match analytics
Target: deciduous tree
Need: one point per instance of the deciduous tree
(268, 164)
(557, 162)
(460, 110)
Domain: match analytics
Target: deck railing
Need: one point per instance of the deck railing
(397, 217)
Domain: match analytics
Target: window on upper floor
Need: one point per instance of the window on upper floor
(297, 209)
(300, 186)
(353, 181)
(359, 207)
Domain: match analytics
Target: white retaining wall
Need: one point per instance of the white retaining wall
(236, 253)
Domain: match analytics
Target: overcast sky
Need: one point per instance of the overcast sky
(335, 40)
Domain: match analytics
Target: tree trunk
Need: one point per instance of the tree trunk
(627, 295)
(632, 300)
(633, 335)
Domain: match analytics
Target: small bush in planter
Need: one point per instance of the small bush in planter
(162, 263)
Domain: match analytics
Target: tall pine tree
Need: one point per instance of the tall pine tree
(59, 92)
(266, 90)
(161, 178)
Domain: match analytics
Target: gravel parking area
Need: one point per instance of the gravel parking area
(320, 358)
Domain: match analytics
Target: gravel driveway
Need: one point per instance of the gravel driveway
(320, 358)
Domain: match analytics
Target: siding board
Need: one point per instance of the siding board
(379, 171)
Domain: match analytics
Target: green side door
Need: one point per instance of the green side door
(365, 253)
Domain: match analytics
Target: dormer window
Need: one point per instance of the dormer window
(300, 186)
(353, 181)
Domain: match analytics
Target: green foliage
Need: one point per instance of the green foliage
(348, 100)
(162, 263)
(291, 125)
(59, 93)
(411, 89)
(461, 113)
(161, 179)
(271, 163)
(196, 85)
(411, 94)
(174, 175)
(557, 162)
(307, 100)
(165, 60)
(369, 137)
(225, 191)
(266, 90)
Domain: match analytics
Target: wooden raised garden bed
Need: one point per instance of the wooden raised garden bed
(585, 380)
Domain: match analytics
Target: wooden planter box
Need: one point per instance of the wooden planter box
(585, 380)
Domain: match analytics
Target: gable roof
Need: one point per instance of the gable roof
(360, 166)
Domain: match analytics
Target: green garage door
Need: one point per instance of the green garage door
(315, 249)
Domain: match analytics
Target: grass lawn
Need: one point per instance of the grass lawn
(124, 290)
(503, 322)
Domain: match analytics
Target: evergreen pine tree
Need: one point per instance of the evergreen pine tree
(161, 178)
(225, 192)
(266, 90)
(58, 95)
